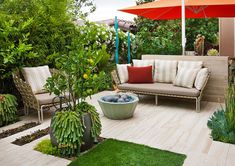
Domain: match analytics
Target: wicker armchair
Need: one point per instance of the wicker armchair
(31, 100)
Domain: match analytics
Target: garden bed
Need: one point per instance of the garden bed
(31, 137)
(13, 131)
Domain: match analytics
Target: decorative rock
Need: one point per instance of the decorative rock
(118, 98)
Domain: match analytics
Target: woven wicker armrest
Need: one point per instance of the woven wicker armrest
(115, 77)
(25, 90)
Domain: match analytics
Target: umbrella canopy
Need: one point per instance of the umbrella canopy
(176, 9)
(171, 9)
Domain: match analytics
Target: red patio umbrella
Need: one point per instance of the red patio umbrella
(176, 9)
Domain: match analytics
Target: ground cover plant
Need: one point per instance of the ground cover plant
(222, 122)
(31, 137)
(114, 152)
(13, 131)
(46, 147)
(8, 110)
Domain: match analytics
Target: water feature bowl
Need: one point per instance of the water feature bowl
(118, 107)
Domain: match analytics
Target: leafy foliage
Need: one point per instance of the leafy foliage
(30, 33)
(222, 122)
(68, 129)
(164, 37)
(46, 147)
(8, 109)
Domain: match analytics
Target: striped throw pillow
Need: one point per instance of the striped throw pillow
(185, 77)
(165, 71)
(36, 77)
(190, 64)
(143, 63)
(201, 78)
(123, 72)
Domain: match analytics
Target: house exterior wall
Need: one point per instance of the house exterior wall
(227, 37)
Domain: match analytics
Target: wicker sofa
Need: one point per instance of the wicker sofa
(160, 89)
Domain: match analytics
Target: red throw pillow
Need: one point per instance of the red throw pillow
(140, 74)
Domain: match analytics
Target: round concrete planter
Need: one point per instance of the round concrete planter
(118, 111)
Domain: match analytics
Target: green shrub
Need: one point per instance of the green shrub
(163, 37)
(222, 122)
(46, 147)
(220, 130)
(8, 109)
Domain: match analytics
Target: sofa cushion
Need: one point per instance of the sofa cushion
(36, 77)
(143, 63)
(140, 74)
(160, 88)
(201, 78)
(122, 72)
(186, 77)
(190, 64)
(165, 71)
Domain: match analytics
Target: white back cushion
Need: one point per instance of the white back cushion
(201, 78)
(190, 64)
(186, 77)
(165, 71)
(36, 77)
(123, 72)
(143, 63)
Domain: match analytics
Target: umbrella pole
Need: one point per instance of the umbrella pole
(183, 27)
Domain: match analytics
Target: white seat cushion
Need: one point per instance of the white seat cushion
(36, 77)
(123, 72)
(201, 78)
(165, 71)
(186, 77)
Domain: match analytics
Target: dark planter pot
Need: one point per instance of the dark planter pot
(88, 140)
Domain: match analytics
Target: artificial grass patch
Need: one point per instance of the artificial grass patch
(120, 153)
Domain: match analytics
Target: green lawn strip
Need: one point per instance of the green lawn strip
(120, 153)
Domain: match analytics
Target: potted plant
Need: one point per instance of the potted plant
(212, 52)
(8, 109)
(78, 123)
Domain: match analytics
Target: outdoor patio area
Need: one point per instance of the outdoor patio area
(173, 125)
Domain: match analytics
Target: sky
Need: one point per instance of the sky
(108, 9)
